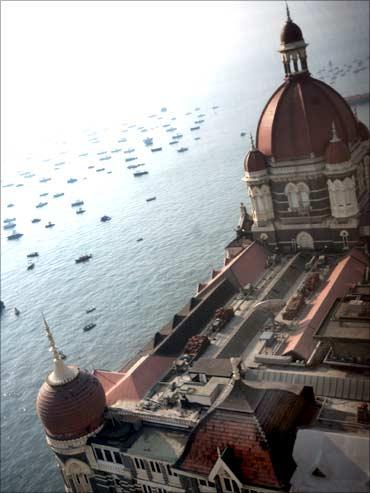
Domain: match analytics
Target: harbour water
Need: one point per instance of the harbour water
(136, 287)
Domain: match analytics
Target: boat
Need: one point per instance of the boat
(9, 220)
(198, 121)
(104, 219)
(132, 166)
(2, 306)
(80, 211)
(10, 205)
(91, 166)
(56, 195)
(214, 107)
(197, 109)
(30, 266)
(88, 327)
(44, 194)
(242, 134)
(156, 149)
(77, 203)
(128, 151)
(92, 309)
(8, 185)
(201, 115)
(105, 158)
(188, 113)
(150, 199)
(164, 109)
(9, 226)
(122, 140)
(16, 311)
(128, 159)
(100, 169)
(71, 180)
(41, 204)
(174, 142)
(82, 155)
(116, 150)
(140, 239)
(44, 180)
(20, 185)
(171, 129)
(83, 258)
(182, 149)
(196, 138)
(166, 125)
(148, 141)
(101, 152)
(14, 236)
(36, 220)
(140, 173)
(33, 254)
(49, 225)
(195, 128)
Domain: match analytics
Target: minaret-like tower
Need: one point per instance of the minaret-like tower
(70, 405)
(293, 48)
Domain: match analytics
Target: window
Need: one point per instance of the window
(169, 471)
(230, 486)
(298, 196)
(118, 457)
(139, 463)
(155, 467)
(202, 482)
(147, 489)
(99, 454)
(108, 456)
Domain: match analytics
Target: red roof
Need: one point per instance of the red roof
(73, 409)
(297, 119)
(347, 272)
(137, 381)
(337, 152)
(254, 161)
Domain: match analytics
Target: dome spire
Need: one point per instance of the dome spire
(61, 374)
(253, 147)
(334, 137)
(287, 12)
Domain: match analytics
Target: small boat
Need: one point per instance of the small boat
(105, 158)
(8, 185)
(164, 109)
(41, 204)
(150, 199)
(201, 115)
(9, 220)
(92, 309)
(128, 151)
(36, 220)
(56, 195)
(174, 142)
(100, 169)
(199, 121)
(196, 138)
(166, 125)
(88, 327)
(122, 140)
(177, 136)
(14, 236)
(140, 173)
(83, 258)
(72, 180)
(33, 254)
(9, 226)
(128, 159)
(197, 109)
(132, 166)
(49, 225)
(101, 152)
(188, 113)
(10, 205)
(82, 155)
(16, 311)
(116, 150)
(242, 134)
(30, 266)
(104, 219)
(77, 203)
(148, 141)
(44, 194)
(140, 239)
(80, 211)
(214, 107)
(44, 180)
(60, 163)
(90, 167)
(20, 185)
(182, 149)
(194, 128)
(172, 129)
(156, 149)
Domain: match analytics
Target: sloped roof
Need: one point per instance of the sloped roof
(347, 272)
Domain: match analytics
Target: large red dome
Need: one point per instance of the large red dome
(298, 117)
(73, 409)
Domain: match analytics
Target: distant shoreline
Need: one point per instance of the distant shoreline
(358, 98)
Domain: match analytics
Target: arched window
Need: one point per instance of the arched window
(298, 196)
(304, 195)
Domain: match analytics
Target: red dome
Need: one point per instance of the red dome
(254, 161)
(337, 152)
(291, 33)
(73, 409)
(298, 117)
(362, 131)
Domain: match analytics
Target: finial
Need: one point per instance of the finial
(53, 346)
(61, 374)
(287, 12)
(252, 142)
(235, 366)
(335, 137)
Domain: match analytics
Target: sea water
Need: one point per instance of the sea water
(136, 287)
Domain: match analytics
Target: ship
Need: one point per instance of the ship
(77, 203)
(15, 236)
(156, 149)
(56, 195)
(128, 159)
(83, 258)
(140, 173)
(41, 204)
(195, 128)
(71, 180)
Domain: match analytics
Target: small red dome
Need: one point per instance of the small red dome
(254, 161)
(295, 121)
(337, 152)
(73, 409)
(291, 33)
(362, 131)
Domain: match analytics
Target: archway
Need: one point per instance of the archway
(305, 240)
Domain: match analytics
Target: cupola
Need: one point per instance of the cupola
(337, 151)
(254, 161)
